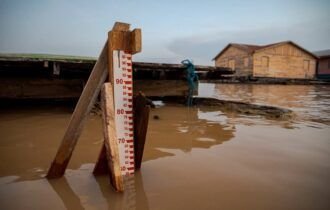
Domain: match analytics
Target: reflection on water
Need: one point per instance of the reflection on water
(188, 128)
(195, 158)
(310, 102)
(78, 189)
(134, 196)
(30, 137)
(67, 195)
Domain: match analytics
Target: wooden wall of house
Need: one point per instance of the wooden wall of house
(284, 61)
(324, 66)
(237, 59)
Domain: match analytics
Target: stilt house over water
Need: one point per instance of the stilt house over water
(278, 60)
(323, 67)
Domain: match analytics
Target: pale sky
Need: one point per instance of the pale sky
(172, 30)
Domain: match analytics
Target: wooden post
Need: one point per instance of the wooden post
(101, 166)
(83, 107)
(120, 38)
(141, 119)
(110, 137)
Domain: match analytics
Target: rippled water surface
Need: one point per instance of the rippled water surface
(195, 158)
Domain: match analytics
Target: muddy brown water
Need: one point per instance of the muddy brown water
(195, 158)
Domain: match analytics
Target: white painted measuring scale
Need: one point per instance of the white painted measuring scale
(123, 99)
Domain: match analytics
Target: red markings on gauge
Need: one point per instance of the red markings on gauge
(123, 92)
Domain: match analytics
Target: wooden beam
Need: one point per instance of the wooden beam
(83, 107)
(119, 26)
(115, 42)
(136, 41)
(141, 119)
(101, 166)
(120, 38)
(110, 137)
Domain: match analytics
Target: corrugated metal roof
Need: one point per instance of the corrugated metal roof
(46, 57)
(322, 53)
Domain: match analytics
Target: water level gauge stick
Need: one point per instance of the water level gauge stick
(118, 128)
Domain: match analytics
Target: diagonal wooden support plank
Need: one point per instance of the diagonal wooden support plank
(83, 107)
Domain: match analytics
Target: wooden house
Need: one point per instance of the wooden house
(278, 60)
(323, 67)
